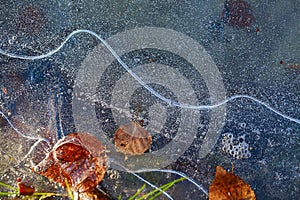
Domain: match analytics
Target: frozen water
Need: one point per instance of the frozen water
(38, 94)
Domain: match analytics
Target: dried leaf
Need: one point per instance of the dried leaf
(79, 159)
(227, 186)
(132, 139)
(25, 189)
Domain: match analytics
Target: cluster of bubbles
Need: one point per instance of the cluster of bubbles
(235, 146)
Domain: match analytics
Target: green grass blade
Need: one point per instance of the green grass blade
(7, 186)
(48, 194)
(137, 192)
(7, 194)
(164, 188)
(69, 190)
(42, 195)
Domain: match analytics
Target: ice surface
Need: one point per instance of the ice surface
(260, 60)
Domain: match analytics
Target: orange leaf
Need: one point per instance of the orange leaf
(78, 158)
(227, 186)
(25, 189)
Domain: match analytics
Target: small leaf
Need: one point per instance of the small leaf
(229, 186)
(132, 139)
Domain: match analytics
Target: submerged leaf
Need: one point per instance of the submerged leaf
(132, 139)
(79, 159)
(25, 189)
(227, 186)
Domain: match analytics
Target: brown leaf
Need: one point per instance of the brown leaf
(78, 158)
(25, 189)
(227, 186)
(132, 139)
